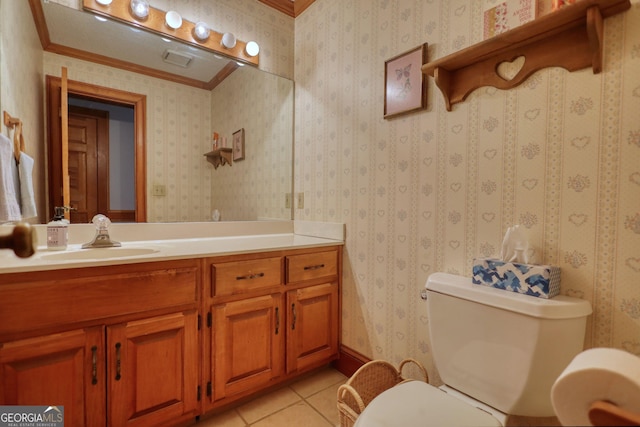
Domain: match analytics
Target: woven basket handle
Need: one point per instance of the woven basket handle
(421, 368)
(346, 388)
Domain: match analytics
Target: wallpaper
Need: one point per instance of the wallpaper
(21, 93)
(430, 191)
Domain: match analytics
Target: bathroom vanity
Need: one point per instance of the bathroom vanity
(159, 332)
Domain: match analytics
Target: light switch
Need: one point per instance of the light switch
(159, 190)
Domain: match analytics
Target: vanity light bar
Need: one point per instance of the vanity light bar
(120, 10)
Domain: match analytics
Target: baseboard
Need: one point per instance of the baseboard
(349, 361)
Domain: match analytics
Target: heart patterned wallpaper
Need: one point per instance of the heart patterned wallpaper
(428, 192)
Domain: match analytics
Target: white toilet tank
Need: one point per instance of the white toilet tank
(499, 347)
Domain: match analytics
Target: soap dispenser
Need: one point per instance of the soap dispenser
(58, 231)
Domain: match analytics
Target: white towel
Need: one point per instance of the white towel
(27, 199)
(9, 208)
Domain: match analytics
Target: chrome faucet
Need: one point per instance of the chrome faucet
(101, 239)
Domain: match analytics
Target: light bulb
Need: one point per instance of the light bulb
(228, 40)
(173, 19)
(252, 48)
(201, 31)
(104, 2)
(140, 8)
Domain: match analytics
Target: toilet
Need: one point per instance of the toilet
(498, 354)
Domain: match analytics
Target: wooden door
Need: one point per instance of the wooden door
(88, 163)
(65, 369)
(153, 370)
(56, 162)
(312, 326)
(247, 345)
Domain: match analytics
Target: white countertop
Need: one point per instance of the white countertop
(160, 242)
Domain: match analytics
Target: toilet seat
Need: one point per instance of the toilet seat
(417, 404)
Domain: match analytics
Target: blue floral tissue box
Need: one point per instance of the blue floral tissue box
(541, 281)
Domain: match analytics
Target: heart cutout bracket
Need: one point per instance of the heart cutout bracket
(509, 70)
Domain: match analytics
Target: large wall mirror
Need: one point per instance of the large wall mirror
(184, 106)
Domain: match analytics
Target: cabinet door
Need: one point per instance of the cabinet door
(247, 344)
(65, 369)
(312, 326)
(152, 370)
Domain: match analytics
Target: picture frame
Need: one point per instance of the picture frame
(405, 85)
(238, 145)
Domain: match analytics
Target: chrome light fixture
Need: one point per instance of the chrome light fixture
(201, 31)
(140, 9)
(173, 19)
(228, 40)
(252, 48)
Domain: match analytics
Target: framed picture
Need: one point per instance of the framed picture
(238, 145)
(405, 87)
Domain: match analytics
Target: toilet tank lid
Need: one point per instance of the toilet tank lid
(559, 307)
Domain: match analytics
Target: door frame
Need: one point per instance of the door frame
(137, 101)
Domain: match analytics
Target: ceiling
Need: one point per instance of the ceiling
(67, 31)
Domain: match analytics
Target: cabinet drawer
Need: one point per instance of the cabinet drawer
(88, 295)
(238, 277)
(312, 266)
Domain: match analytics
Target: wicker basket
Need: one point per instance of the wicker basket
(366, 383)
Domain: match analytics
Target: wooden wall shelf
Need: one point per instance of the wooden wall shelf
(221, 156)
(570, 38)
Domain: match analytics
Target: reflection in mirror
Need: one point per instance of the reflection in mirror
(261, 104)
(117, 200)
(248, 98)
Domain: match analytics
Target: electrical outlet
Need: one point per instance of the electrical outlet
(159, 190)
(287, 201)
(300, 202)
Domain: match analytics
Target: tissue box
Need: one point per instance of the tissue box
(541, 281)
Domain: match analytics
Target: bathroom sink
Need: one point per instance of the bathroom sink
(97, 254)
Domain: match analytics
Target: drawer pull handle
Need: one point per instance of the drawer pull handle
(314, 267)
(277, 320)
(118, 364)
(295, 316)
(250, 276)
(94, 365)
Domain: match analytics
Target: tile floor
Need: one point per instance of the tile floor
(309, 402)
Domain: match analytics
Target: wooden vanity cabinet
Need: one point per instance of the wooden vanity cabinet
(312, 309)
(244, 339)
(63, 369)
(312, 335)
(272, 316)
(114, 345)
(248, 342)
(159, 343)
(152, 370)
